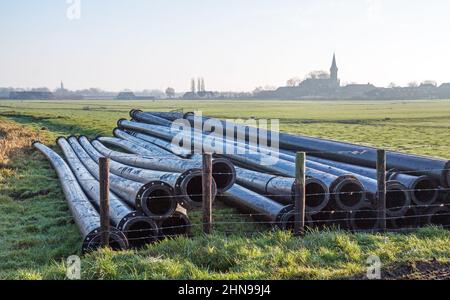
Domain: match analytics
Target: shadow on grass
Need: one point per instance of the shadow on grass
(48, 122)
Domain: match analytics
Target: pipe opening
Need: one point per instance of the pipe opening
(141, 232)
(194, 189)
(350, 195)
(289, 224)
(424, 192)
(315, 196)
(364, 219)
(330, 220)
(115, 244)
(159, 202)
(409, 220)
(447, 167)
(117, 241)
(440, 217)
(396, 200)
(176, 225)
(287, 220)
(224, 175)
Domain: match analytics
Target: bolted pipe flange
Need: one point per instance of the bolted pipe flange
(161, 192)
(398, 199)
(185, 183)
(93, 241)
(352, 199)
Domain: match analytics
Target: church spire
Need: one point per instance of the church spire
(334, 70)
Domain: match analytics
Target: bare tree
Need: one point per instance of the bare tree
(170, 92)
(413, 84)
(318, 75)
(203, 85)
(260, 89)
(295, 81)
(193, 85)
(392, 85)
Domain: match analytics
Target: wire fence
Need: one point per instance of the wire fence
(365, 218)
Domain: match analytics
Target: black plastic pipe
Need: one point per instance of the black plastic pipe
(86, 217)
(363, 219)
(347, 191)
(176, 225)
(187, 185)
(408, 221)
(439, 216)
(177, 150)
(439, 169)
(423, 189)
(155, 198)
(138, 228)
(397, 197)
(224, 173)
(282, 189)
(146, 145)
(262, 208)
(140, 116)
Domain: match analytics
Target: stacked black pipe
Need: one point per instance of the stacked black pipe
(154, 182)
(417, 186)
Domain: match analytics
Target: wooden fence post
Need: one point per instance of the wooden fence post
(381, 193)
(207, 193)
(104, 199)
(299, 209)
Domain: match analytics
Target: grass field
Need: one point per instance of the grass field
(37, 233)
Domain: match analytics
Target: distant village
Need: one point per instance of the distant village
(317, 85)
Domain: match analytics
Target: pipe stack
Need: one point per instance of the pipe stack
(155, 180)
(415, 184)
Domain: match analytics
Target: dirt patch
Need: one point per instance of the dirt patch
(432, 270)
(15, 141)
(419, 270)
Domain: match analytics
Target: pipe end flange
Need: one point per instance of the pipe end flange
(164, 200)
(134, 111)
(139, 229)
(119, 122)
(224, 174)
(183, 186)
(93, 241)
(350, 193)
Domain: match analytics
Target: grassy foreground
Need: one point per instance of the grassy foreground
(37, 233)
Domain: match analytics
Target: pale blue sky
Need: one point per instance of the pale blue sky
(234, 44)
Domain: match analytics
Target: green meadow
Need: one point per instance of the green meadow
(37, 233)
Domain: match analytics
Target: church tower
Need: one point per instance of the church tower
(334, 71)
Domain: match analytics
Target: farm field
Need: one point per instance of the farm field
(37, 233)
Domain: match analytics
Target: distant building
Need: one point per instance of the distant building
(356, 91)
(321, 86)
(31, 95)
(444, 91)
(62, 94)
(200, 92)
(126, 96)
(132, 96)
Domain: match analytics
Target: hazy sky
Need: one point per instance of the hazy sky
(234, 44)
